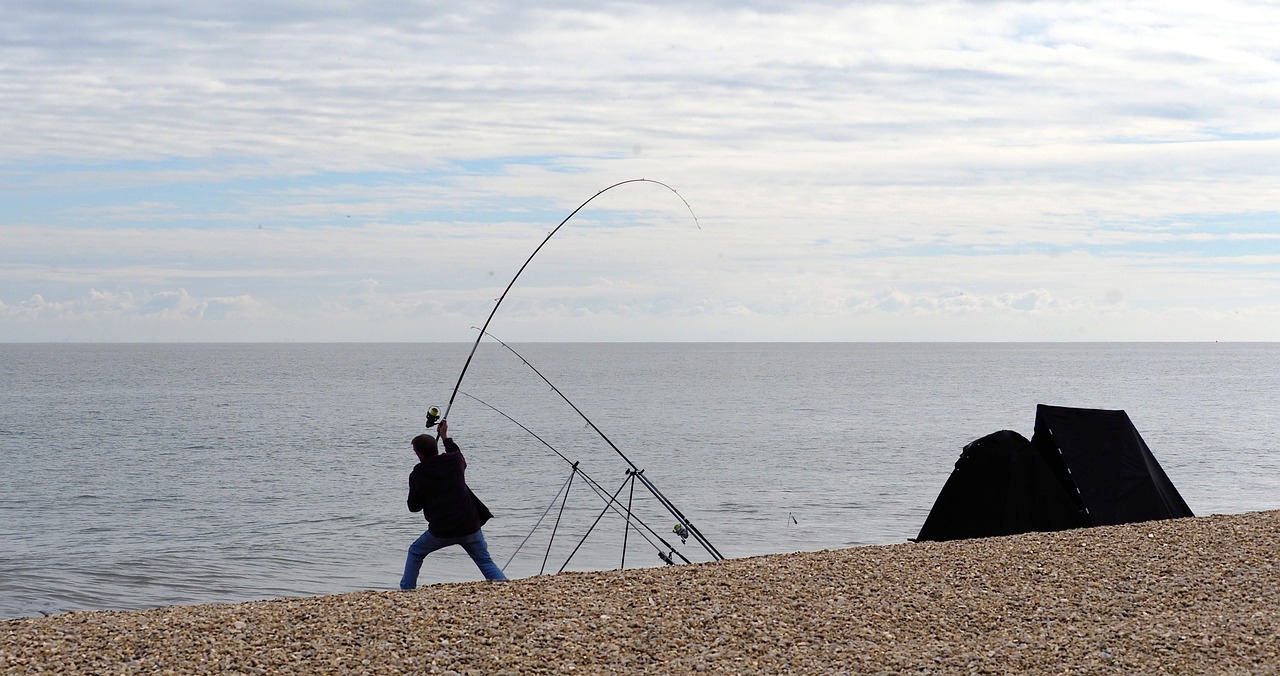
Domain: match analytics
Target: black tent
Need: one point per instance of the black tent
(1082, 467)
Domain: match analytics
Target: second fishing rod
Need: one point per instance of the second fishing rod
(611, 502)
(639, 473)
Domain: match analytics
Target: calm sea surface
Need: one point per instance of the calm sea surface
(134, 476)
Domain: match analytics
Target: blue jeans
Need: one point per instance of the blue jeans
(427, 543)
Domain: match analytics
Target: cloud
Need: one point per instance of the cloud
(175, 304)
(297, 81)
(955, 160)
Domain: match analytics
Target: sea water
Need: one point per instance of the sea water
(140, 475)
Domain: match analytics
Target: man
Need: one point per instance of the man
(438, 489)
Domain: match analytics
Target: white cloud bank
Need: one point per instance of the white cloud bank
(876, 171)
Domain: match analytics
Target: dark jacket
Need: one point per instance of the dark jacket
(438, 488)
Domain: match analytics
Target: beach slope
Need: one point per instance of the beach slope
(1198, 595)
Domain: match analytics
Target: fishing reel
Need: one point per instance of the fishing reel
(682, 531)
(433, 417)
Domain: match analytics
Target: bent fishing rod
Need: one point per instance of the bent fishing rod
(611, 501)
(512, 283)
(636, 471)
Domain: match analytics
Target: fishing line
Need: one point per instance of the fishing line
(530, 259)
(675, 511)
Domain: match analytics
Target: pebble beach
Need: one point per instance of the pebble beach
(1186, 596)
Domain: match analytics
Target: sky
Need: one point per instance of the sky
(854, 171)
